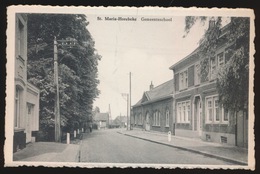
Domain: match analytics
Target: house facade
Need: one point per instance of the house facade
(26, 115)
(102, 120)
(197, 108)
(154, 111)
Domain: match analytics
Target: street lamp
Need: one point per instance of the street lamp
(70, 42)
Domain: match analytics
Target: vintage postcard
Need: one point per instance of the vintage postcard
(130, 87)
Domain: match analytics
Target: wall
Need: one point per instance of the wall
(150, 108)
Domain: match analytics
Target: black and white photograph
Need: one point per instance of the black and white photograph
(130, 87)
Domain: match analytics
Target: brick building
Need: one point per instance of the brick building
(154, 111)
(26, 115)
(197, 109)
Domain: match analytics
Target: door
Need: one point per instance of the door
(198, 116)
(147, 122)
(242, 130)
(29, 121)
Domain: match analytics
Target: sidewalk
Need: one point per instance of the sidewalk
(220, 151)
(48, 152)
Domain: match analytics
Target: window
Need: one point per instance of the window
(140, 119)
(183, 112)
(167, 118)
(221, 59)
(215, 112)
(209, 109)
(17, 108)
(135, 119)
(225, 114)
(216, 109)
(183, 79)
(179, 113)
(213, 70)
(197, 74)
(188, 111)
(156, 118)
(216, 63)
(20, 37)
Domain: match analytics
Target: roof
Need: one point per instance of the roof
(122, 118)
(184, 60)
(193, 55)
(160, 92)
(101, 116)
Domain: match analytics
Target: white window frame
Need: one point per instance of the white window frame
(156, 118)
(207, 108)
(214, 108)
(219, 62)
(183, 112)
(167, 118)
(223, 112)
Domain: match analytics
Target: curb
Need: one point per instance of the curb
(191, 150)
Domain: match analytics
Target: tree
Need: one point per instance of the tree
(77, 68)
(233, 77)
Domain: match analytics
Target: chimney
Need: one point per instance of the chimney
(211, 23)
(151, 86)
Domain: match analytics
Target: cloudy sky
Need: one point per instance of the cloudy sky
(146, 49)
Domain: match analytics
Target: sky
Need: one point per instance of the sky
(146, 49)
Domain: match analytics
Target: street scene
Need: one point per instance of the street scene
(117, 146)
(113, 87)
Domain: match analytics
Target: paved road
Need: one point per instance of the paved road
(108, 146)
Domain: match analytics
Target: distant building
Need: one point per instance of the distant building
(102, 120)
(26, 115)
(154, 111)
(120, 121)
(197, 108)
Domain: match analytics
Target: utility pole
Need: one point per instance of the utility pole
(127, 111)
(127, 114)
(57, 98)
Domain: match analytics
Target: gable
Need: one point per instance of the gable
(144, 98)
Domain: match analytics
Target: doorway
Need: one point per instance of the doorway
(29, 121)
(197, 116)
(147, 121)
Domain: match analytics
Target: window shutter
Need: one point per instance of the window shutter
(205, 71)
(191, 76)
(176, 79)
